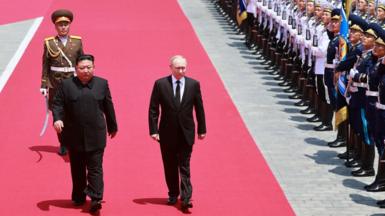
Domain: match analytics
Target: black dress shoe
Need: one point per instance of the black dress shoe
(381, 206)
(186, 205)
(307, 111)
(352, 163)
(96, 205)
(284, 83)
(338, 144)
(375, 187)
(363, 173)
(289, 90)
(270, 68)
(338, 139)
(314, 118)
(274, 72)
(295, 96)
(381, 202)
(301, 103)
(344, 155)
(172, 200)
(323, 127)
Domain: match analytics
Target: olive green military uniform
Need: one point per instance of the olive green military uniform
(59, 62)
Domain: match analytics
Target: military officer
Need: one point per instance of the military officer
(59, 57)
(354, 52)
(380, 117)
(381, 13)
(373, 111)
(320, 41)
(334, 26)
(362, 8)
(357, 115)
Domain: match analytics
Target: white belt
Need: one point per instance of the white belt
(63, 69)
(331, 66)
(359, 84)
(371, 93)
(380, 106)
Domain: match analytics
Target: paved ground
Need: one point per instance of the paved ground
(312, 177)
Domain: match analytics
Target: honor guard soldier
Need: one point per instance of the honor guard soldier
(371, 11)
(380, 124)
(320, 41)
(362, 9)
(363, 145)
(331, 54)
(381, 13)
(373, 110)
(60, 53)
(342, 69)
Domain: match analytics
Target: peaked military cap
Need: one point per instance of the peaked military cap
(370, 31)
(62, 15)
(336, 14)
(326, 6)
(317, 3)
(357, 23)
(381, 4)
(379, 32)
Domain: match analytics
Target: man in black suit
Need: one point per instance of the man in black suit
(176, 96)
(81, 108)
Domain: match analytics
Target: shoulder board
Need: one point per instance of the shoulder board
(49, 38)
(75, 37)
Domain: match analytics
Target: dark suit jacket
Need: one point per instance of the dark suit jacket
(84, 109)
(172, 118)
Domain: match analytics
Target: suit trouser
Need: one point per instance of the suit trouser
(176, 161)
(86, 167)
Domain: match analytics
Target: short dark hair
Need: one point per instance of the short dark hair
(85, 57)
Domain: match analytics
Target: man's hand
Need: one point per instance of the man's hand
(44, 92)
(201, 136)
(155, 137)
(58, 125)
(112, 134)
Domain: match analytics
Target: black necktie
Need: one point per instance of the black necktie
(177, 94)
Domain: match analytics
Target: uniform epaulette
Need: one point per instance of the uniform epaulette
(49, 38)
(76, 37)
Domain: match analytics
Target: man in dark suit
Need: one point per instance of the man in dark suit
(177, 95)
(81, 108)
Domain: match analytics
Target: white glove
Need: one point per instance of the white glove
(44, 92)
(353, 72)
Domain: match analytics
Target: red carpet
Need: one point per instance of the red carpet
(18, 10)
(132, 43)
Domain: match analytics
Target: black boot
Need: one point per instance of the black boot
(379, 182)
(367, 158)
(340, 141)
(314, 118)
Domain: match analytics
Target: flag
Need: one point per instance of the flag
(342, 110)
(344, 28)
(241, 13)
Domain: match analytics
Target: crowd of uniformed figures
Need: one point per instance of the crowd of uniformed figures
(299, 42)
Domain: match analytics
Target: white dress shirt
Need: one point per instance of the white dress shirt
(181, 84)
(63, 40)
